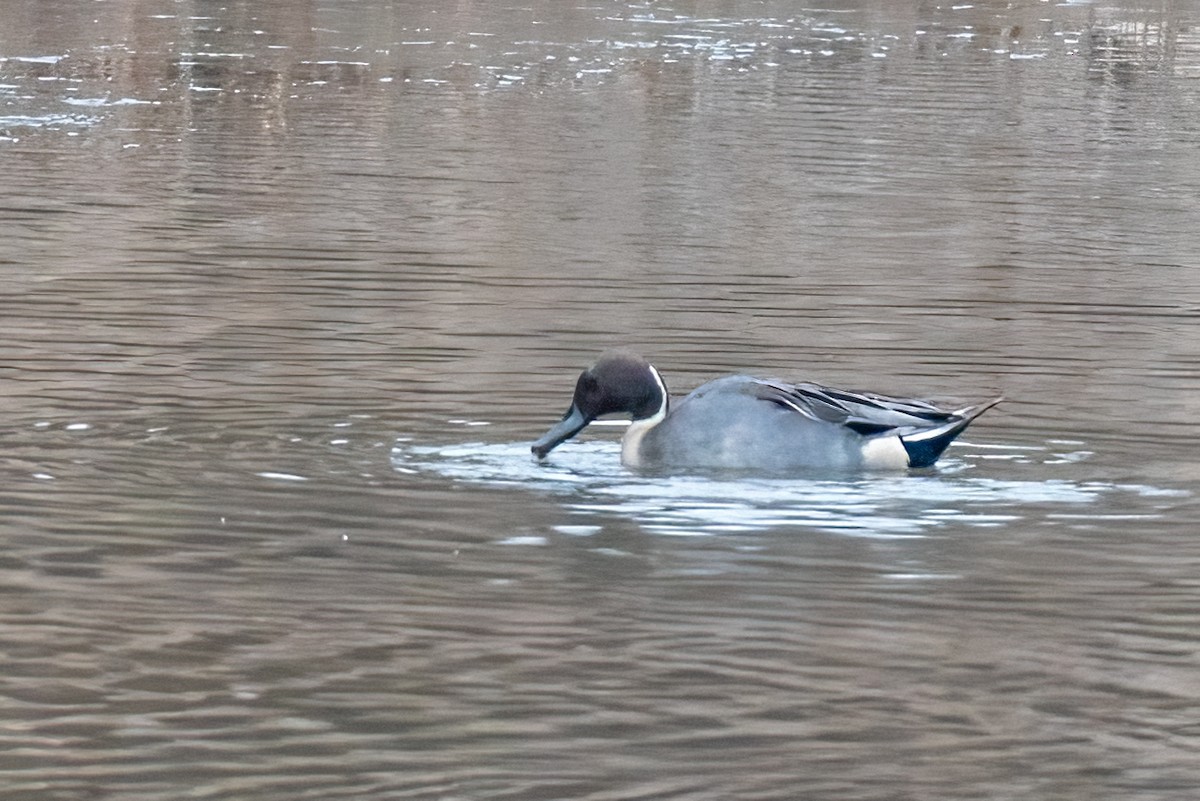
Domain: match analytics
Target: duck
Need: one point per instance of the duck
(740, 422)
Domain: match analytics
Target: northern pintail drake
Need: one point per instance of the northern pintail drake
(744, 423)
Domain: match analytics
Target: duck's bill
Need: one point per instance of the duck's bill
(572, 423)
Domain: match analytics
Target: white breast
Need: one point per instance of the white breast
(631, 444)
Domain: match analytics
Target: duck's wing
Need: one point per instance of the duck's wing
(922, 427)
(864, 412)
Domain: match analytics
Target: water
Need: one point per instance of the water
(287, 290)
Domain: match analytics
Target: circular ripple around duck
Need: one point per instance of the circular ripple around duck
(592, 483)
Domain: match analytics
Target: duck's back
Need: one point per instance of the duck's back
(726, 424)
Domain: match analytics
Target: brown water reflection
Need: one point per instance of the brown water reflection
(288, 288)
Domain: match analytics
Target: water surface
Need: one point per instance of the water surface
(287, 289)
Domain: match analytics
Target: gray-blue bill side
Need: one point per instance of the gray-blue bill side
(572, 423)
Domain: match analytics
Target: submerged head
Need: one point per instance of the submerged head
(619, 382)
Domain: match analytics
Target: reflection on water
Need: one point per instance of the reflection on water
(287, 289)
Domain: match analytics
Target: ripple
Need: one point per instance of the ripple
(45, 120)
(591, 482)
(106, 102)
(35, 59)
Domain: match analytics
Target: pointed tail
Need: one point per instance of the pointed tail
(926, 445)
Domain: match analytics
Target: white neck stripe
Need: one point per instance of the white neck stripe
(631, 443)
(661, 414)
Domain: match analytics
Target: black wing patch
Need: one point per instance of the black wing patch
(867, 428)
